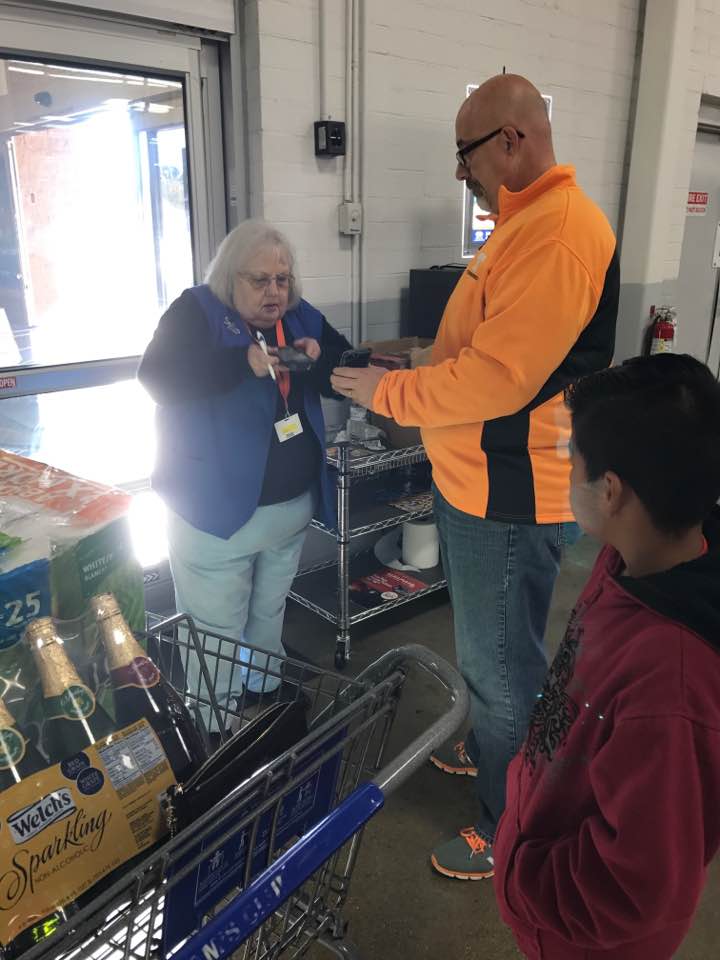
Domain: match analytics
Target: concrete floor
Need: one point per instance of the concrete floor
(399, 908)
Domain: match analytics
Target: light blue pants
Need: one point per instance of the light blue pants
(238, 588)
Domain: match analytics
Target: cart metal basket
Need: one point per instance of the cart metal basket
(266, 872)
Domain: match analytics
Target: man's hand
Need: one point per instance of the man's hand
(309, 346)
(259, 363)
(358, 383)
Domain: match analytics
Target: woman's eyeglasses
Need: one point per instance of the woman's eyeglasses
(263, 281)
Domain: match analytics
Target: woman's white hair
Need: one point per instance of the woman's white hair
(240, 246)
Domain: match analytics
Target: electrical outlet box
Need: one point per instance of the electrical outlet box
(350, 218)
(329, 138)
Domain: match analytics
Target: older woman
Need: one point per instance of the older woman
(240, 462)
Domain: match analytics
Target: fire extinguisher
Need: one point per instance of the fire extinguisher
(662, 329)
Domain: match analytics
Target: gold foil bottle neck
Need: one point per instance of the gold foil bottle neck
(121, 647)
(6, 718)
(55, 667)
(41, 631)
(104, 605)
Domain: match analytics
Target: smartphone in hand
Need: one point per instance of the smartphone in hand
(355, 358)
(295, 360)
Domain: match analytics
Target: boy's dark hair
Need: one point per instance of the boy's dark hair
(655, 422)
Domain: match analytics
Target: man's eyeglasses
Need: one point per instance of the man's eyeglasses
(263, 281)
(464, 151)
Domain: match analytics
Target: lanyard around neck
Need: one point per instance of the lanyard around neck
(283, 379)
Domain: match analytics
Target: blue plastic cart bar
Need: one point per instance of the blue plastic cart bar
(240, 918)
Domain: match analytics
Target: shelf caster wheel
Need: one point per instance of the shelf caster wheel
(341, 660)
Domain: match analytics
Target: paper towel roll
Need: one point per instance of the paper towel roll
(420, 543)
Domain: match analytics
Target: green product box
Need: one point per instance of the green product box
(102, 562)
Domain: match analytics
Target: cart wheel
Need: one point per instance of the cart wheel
(341, 660)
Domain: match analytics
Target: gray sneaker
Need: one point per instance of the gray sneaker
(465, 857)
(453, 758)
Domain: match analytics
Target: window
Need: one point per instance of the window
(112, 200)
(95, 236)
(112, 425)
(114, 443)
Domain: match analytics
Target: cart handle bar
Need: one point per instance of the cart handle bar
(221, 936)
(240, 919)
(401, 767)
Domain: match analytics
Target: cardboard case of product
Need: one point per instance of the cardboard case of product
(72, 816)
(65, 540)
(71, 824)
(414, 352)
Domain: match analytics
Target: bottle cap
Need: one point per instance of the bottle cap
(121, 647)
(56, 669)
(41, 631)
(104, 605)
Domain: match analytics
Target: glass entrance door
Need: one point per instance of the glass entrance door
(107, 212)
(96, 211)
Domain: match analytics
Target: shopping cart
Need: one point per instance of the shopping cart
(266, 872)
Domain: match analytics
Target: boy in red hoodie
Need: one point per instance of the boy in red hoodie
(613, 803)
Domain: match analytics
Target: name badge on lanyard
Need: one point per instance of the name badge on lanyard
(290, 425)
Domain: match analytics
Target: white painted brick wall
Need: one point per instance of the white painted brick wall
(420, 56)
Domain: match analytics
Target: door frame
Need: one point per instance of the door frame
(712, 353)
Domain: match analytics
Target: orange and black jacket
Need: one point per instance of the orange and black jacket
(535, 309)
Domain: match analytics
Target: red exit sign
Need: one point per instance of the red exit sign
(697, 203)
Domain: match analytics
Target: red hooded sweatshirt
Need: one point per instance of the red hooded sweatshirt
(613, 803)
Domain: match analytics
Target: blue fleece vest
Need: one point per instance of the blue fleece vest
(212, 452)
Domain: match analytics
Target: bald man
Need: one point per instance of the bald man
(534, 310)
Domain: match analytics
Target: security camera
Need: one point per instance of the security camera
(43, 98)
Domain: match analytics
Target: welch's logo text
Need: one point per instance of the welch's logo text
(28, 822)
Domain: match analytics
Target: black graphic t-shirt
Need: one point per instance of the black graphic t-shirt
(555, 711)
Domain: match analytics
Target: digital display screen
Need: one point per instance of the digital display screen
(476, 226)
(46, 928)
(481, 226)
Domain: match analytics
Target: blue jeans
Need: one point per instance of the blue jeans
(501, 578)
(238, 588)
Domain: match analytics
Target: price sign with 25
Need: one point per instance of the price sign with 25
(19, 612)
(24, 595)
(15, 616)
